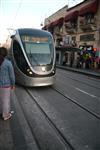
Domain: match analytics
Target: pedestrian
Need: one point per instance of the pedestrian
(7, 83)
(71, 60)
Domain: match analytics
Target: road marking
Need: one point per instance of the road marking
(86, 93)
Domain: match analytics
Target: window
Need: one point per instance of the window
(89, 18)
(19, 56)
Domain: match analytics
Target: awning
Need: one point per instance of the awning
(71, 16)
(46, 27)
(90, 8)
(67, 48)
(58, 22)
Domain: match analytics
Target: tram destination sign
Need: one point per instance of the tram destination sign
(26, 38)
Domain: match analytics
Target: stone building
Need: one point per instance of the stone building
(75, 30)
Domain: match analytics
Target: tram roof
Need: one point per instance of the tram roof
(32, 31)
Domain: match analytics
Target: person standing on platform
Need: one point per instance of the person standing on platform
(7, 83)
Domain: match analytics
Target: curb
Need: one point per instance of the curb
(85, 72)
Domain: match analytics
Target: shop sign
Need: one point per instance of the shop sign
(87, 37)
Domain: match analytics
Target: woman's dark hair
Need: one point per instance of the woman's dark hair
(3, 54)
(3, 51)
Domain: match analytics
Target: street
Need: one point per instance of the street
(65, 116)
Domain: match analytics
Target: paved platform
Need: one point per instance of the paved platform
(15, 133)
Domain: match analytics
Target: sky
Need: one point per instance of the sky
(29, 13)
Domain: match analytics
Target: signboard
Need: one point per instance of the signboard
(34, 39)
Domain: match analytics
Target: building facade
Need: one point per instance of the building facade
(76, 32)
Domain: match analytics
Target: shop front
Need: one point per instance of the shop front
(66, 55)
(89, 57)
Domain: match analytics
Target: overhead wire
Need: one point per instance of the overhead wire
(16, 14)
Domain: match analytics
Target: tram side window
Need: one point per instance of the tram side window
(19, 57)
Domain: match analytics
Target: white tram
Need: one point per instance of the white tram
(33, 54)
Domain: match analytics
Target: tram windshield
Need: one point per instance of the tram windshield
(39, 50)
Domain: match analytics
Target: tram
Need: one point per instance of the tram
(32, 52)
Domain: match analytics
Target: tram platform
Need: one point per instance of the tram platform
(90, 72)
(15, 133)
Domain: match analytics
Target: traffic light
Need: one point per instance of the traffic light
(94, 49)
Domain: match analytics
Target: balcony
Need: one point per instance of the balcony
(87, 24)
(58, 31)
(70, 27)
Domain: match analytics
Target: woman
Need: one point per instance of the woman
(7, 82)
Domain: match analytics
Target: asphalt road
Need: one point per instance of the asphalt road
(65, 116)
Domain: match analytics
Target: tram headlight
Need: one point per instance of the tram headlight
(43, 69)
(30, 72)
